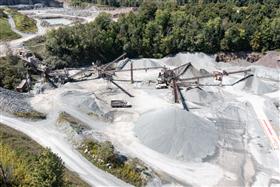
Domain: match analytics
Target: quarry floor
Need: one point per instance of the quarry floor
(245, 118)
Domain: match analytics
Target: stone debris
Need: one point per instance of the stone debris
(12, 102)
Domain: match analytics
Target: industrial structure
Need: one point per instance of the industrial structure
(167, 78)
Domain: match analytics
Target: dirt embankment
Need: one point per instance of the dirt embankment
(271, 59)
(232, 56)
(116, 12)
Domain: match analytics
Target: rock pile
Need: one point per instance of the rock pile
(178, 134)
(13, 102)
(228, 57)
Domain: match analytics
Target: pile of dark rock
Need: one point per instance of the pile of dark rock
(14, 102)
(232, 56)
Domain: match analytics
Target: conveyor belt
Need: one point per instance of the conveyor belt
(122, 89)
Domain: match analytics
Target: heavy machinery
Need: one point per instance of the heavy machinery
(107, 71)
(171, 78)
(120, 104)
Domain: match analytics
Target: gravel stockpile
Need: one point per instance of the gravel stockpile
(258, 86)
(12, 102)
(198, 60)
(271, 60)
(202, 97)
(140, 63)
(177, 133)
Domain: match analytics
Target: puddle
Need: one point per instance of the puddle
(58, 21)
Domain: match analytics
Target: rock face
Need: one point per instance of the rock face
(53, 3)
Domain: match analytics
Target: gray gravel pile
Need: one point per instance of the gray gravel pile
(199, 96)
(140, 63)
(179, 134)
(258, 86)
(12, 102)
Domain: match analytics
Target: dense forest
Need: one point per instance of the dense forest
(156, 30)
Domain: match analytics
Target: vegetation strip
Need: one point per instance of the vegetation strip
(23, 23)
(23, 162)
(103, 154)
(6, 33)
(31, 115)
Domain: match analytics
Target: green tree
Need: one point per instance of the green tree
(234, 39)
(106, 151)
(49, 170)
(275, 32)
(14, 171)
(160, 28)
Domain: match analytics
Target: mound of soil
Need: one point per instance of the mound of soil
(271, 60)
(230, 56)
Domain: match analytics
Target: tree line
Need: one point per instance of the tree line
(159, 30)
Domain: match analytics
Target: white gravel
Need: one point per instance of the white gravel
(171, 141)
(177, 133)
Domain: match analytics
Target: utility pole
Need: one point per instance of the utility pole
(131, 72)
(175, 91)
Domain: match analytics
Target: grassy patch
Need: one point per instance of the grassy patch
(31, 115)
(26, 151)
(6, 33)
(20, 142)
(23, 23)
(104, 157)
(76, 124)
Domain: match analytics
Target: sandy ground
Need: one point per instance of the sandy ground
(245, 118)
